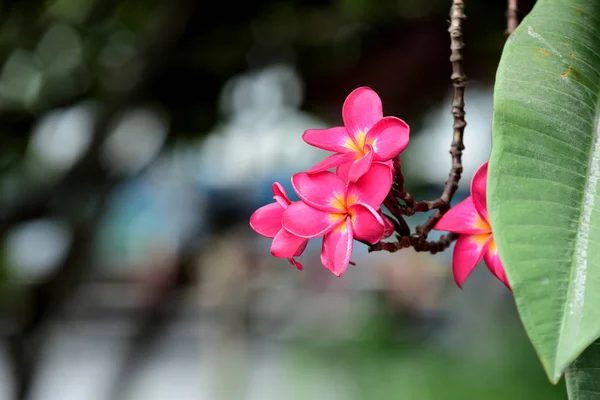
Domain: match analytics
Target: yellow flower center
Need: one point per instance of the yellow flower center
(479, 223)
(480, 238)
(358, 143)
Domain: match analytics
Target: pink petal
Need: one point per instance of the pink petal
(372, 188)
(286, 245)
(307, 222)
(468, 251)
(283, 203)
(367, 224)
(492, 260)
(389, 137)
(478, 188)
(463, 218)
(337, 248)
(362, 109)
(389, 227)
(279, 190)
(266, 221)
(333, 161)
(390, 164)
(322, 190)
(362, 165)
(296, 264)
(325, 258)
(280, 196)
(343, 170)
(301, 248)
(333, 139)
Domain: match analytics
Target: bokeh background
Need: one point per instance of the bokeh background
(137, 137)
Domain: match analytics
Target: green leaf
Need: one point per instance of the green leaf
(543, 191)
(583, 376)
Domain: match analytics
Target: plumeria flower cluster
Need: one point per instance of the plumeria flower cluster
(344, 205)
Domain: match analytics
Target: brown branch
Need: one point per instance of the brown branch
(459, 81)
(400, 224)
(512, 17)
(423, 230)
(399, 178)
(434, 247)
(428, 205)
(419, 243)
(441, 204)
(390, 247)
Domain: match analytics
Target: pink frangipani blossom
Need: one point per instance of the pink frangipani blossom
(469, 218)
(339, 211)
(266, 221)
(366, 137)
(342, 172)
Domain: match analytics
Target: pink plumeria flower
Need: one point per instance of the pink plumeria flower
(342, 172)
(470, 219)
(339, 211)
(366, 136)
(266, 221)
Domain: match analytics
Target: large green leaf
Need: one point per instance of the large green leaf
(543, 191)
(583, 376)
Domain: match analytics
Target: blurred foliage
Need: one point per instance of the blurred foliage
(385, 359)
(59, 52)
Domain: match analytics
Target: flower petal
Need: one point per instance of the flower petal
(362, 109)
(337, 248)
(360, 167)
(468, 251)
(307, 222)
(322, 190)
(343, 170)
(463, 218)
(367, 224)
(325, 258)
(279, 195)
(492, 260)
(478, 188)
(296, 264)
(389, 227)
(266, 221)
(372, 188)
(286, 245)
(278, 190)
(333, 161)
(389, 137)
(333, 139)
(301, 248)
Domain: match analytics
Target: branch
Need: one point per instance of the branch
(459, 80)
(399, 202)
(511, 17)
(399, 176)
(419, 243)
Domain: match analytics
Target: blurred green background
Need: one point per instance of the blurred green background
(137, 137)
